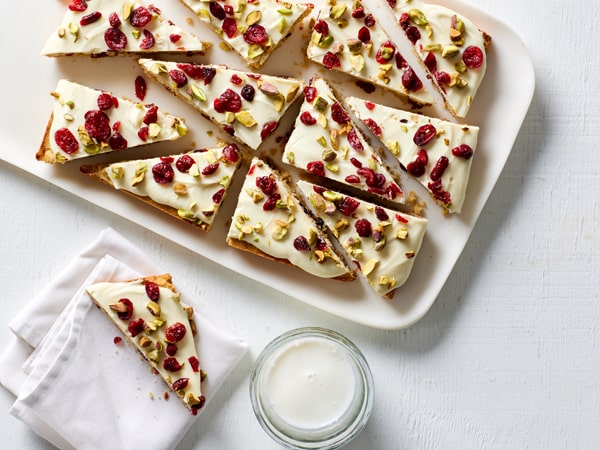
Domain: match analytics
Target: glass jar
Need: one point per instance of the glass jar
(311, 388)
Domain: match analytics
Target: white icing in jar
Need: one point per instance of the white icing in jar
(312, 388)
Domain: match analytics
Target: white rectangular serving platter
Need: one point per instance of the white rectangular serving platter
(499, 110)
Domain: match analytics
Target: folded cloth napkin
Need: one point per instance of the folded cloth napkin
(76, 387)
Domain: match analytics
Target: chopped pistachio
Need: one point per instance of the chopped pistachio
(449, 51)
(139, 175)
(74, 31)
(198, 93)
(354, 45)
(292, 92)
(332, 196)
(253, 17)
(127, 10)
(337, 11)
(357, 62)
(117, 172)
(290, 157)
(180, 189)
(370, 266)
(245, 118)
(320, 104)
(285, 11)
(255, 50)
(328, 155)
(278, 102)
(154, 308)
(417, 16)
(136, 33)
(154, 130)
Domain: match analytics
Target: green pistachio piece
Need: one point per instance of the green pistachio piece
(449, 51)
(357, 62)
(328, 155)
(322, 141)
(127, 10)
(320, 104)
(326, 41)
(253, 17)
(154, 130)
(332, 196)
(337, 11)
(198, 93)
(354, 45)
(117, 172)
(285, 11)
(417, 16)
(282, 25)
(136, 33)
(245, 118)
(254, 51)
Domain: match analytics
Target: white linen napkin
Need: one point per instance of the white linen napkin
(76, 387)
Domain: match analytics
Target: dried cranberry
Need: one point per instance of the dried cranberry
(117, 125)
(210, 169)
(231, 153)
(369, 105)
(411, 81)
(174, 38)
(438, 193)
(78, 5)
(363, 227)
(117, 142)
(256, 34)
(172, 365)
(356, 163)
(354, 140)
(392, 3)
(266, 184)
(358, 13)
(180, 384)
(66, 141)
(369, 88)
(163, 172)
(385, 53)
(125, 315)
(472, 57)
(316, 168)
(171, 349)
(135, 327)
(228, 101)
(369, 20)
(301, 243)
(90, 18)
(152, 290)
(352, 179)
(321, 27)
(97, 124)
(463, 151)
(113, 20)
(401, 219)
(373, 126)
(175, 332)
(140, 87)
(248, 92)
(404, 21)
(192, 70)
(400, 61)
(413, 34)
(431, 62)
(320, 244)
(368, 174)
(331, 60)
(310, 93)
(184, 163)
(178, 77)
(216, 10)
(104, 101)
(229, 27)
(143, 133)
(417, 167)
(208, 74)
(364, 35)
(151, 115)
(440, 167)
(307, 119)
(228, 129)
(271, 203)
(115, 39)
(347, 205)
(381, 214)
(424, 135)
(229, 10)
(194, 363)
(235, 79)
(392, 191)
(148, 41)
(117, 340)
(168, 159)
(217, 197)
(140, 17)
(338, 114)
(267, 129)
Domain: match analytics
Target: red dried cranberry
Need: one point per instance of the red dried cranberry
(117, 340)
(192, 70)
(90, 18)
(373, 126)
(424, 135)
(140, 87)
(180, 384)
(140, 17)
(392, 191)
(116, 126)
(208, 74)
(385, 53)
(310, 93)
(97, 124)
(352, 179)
(228, 129)
(267, 184)
(307, 119)
(347, 205)
(168, 159)
(184, 163)
(104, 101)
(271, 203)
(216, 10)
(135, 327)
(217, 197)
(210, 169)
(117, 142)
(152, 290)
(319, 189)
(369, 20)
(431, 62)
(442, 78)
(331, 60)
(439, 193)
(178, 77)
(151, 115)
(175, 332)
(338, 114)
(381, 213)
(401, 219)
(411, 81)
(163, 172)
(235, 79)
(363, 227)
(256, 34)
(248, 92)
(417, 167)
(66, 141)
(194, 363)
(301, 243)
(228, 101)
(400, 61)
(231, 153)
(229, 10)
(125, 315)
(78, 5)
(392, 3)
(463, 151)
(472, 57)
(356, 163)
(267, 129)
(321, 27)
(148, 41)
(413, 34)
(440, 167)
(229, 27)
(174, 38)
(316, 168)
(354, 140)
(320, 244)
(358, 13)
(172, 365)
(115, 39)
(364, 35)
(404, 21)
(143, 133)
(171, 349)
(369, 88)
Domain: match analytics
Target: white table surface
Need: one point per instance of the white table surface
(509, 355)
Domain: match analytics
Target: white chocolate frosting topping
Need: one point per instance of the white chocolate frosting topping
(87, 122)
(325, 142)
(269, 217)
(436, 152)
(347, 38)
(160, 328)
(246, 106)
(108, 27)
(383, 243)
